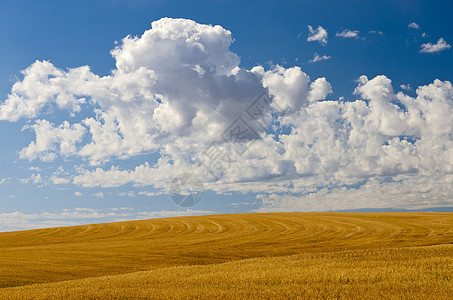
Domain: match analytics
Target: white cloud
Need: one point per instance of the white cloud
(178, 79)
(130, 194)
(99, 195)
(331, 143)
(34, 178)
(43, 84)
(406, 87)
(413, 25)
(56, 178)
(347, 33)
(319, 35)
(417, 192)
(319, 89)
(441, 45)
(178, 87)
(5, 180)
(148, 194)
(49, 138)
(78, 194)
(317, 58)
(59, 180)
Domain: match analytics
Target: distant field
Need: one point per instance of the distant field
(298, 255)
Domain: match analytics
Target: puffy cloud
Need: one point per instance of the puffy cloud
(319, 89)
(34, 178)
(181, 43)
(51, 140)
(288, 86)
(317, 58)
(441, 45)
(158, 175)
(178, 79)
(56, 176)
(330, 143)
(59, 180)
(44, 84)
(413, 25)
(319, 35)
(347, 33)
(178, 92)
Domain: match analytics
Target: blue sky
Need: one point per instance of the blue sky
(342, 138)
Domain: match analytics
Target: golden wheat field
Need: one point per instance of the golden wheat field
(278, 255)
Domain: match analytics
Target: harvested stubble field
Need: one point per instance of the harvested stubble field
(281, 255)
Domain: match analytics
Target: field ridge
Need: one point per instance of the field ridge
(191, 250)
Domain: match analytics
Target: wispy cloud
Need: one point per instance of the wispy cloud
(67, 217)
(5, 180)
(413, 25)
(149, 194)
(99, 195)
(130, 194)
(171, 213)
(317, 58)
(406, 87)
(347, 33)
(318, 35)
(378, 32)
(441, 45)
(34, 178)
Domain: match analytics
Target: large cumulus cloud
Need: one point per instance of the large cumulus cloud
(178, 79)
(178, 87)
